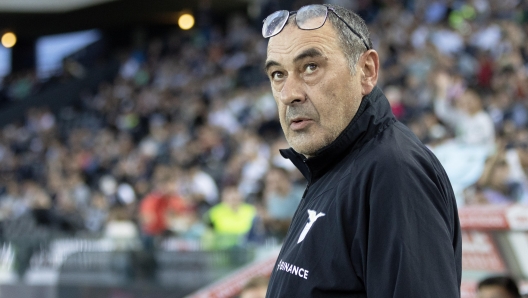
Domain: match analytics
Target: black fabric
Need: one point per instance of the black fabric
(384, 217)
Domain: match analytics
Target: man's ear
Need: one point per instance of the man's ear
(369, 69)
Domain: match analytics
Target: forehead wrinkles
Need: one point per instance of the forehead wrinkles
(293, 40)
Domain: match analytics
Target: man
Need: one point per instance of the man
(231, 219)
(378, 217)
(464, 156)
(498, 287)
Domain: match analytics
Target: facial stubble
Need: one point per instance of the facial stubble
(309, 143)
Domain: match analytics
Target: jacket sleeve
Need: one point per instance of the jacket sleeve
(413, 237)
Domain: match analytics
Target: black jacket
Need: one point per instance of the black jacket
(378, 218)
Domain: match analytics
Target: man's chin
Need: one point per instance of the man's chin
(308, 144)
(308, 150)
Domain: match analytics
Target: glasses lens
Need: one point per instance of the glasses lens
(274, 23)
(311, 17)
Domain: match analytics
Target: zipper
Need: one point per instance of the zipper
(309, 181)
(303, 199)
(302, 203)
(306, 190)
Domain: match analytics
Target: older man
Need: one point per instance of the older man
(378, 217)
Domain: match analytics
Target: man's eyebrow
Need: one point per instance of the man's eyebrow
(308, 53)
(269, 64)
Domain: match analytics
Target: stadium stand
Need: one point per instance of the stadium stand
(107, 182)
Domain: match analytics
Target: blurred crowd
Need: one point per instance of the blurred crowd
(185, 140)
(18, 86)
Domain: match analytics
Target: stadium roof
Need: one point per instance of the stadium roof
(47, 6)
(34, 18)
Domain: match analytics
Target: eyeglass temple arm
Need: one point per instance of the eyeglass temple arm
(355, 32)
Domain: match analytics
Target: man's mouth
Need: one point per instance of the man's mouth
(299, 123)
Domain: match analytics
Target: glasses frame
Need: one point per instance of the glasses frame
(290, 13)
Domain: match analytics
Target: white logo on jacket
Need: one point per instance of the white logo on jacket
(312, 217)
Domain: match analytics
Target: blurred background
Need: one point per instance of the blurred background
(139, 139)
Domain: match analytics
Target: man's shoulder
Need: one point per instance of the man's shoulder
(394, 151)
(395, 143)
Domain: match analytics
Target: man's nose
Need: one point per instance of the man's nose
(292, 91)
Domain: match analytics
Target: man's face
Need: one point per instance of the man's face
(316, 94)
(232, 197)
(493, 292)
(470, 103)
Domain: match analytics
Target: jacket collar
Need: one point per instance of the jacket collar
(374, 115)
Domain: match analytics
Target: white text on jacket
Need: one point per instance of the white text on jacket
(301, 272)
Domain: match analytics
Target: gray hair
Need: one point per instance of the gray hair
(351, 44)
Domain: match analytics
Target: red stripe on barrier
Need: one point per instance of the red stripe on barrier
(233, 283)
(480, 253)
(483, 217)
(494, 217)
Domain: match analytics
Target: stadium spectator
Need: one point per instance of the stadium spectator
(199, 187)
(517, 158)
(281, 197)
(461, 108)
(12, 203)
(494, 186)
(498, 286)
(121, 230)
(97, 212)
(69, 217)
(230, 220)
(199, 99)
(255, 164)
(156, 207)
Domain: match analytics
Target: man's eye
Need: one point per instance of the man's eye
(310, 68)
(276, 75)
